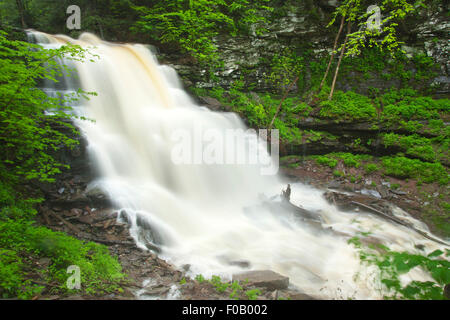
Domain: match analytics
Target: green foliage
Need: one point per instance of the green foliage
(12, 277)
(395, 186)
(374, 62)
(194, 24)
(371, 167)
(413, 145)
(348, 159)
(407, 105)
(260, 111)
(107, 18)
(99, 271)
(396, 166)
(235, 288)
(351, 160)
(29, 138)
(392, 265)
(200, 278)
(411, 126)
(218, 284)
(286, 66)
(338, 174)
(326, 161)
(402, 167)
(27, 134)
(425, 66)
(384, 38)
(253, 294)
(348, 106)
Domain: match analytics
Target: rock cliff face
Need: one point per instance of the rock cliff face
(302, 27)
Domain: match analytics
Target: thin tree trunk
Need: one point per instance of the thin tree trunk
(332, 54)
(101, 31)
(349, 26)
(21, 10)
(281, 102)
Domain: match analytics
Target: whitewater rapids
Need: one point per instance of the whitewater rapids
(199, 213)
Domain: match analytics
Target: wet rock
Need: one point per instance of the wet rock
(384, 192)
(255, 97)
(264, 279)
(96, 194)
(74, 298)
(86, 219)
(108, 223)
(127, 292)
(419, 247)
(300, 296)
(240, 263)
(274, 295)
(76, 152)
(186, 267)
(340, 200)
(75, 212)
(398, 192)
(372, 193)
(44, 262)
(334, 184)
(212, 103)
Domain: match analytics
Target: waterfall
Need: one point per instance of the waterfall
(210, 216)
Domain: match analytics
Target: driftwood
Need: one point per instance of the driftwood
(384, 215)
(67, 223)
(110, 242)
(46, 218)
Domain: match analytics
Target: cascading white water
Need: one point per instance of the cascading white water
(208, 216)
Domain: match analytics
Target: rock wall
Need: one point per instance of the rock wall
(303, 26)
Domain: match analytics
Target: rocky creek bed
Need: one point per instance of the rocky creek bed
(149, 277)
(88, 215)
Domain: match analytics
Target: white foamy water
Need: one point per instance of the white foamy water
(209, 216)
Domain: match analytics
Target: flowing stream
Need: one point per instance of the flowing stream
(209, 216)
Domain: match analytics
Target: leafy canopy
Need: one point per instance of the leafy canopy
(28, 133)
(194, 24)
(385, 37)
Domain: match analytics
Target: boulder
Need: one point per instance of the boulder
(212, 103)
(264, 279)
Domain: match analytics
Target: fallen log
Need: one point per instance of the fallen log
(387, 216)
(67, 223)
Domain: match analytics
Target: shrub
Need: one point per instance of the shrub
(338, 173)
(99, 271)
(348, 106)
(371, 167)
(413, 145)
(392, 265)
(324, 160)
(402, 167)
